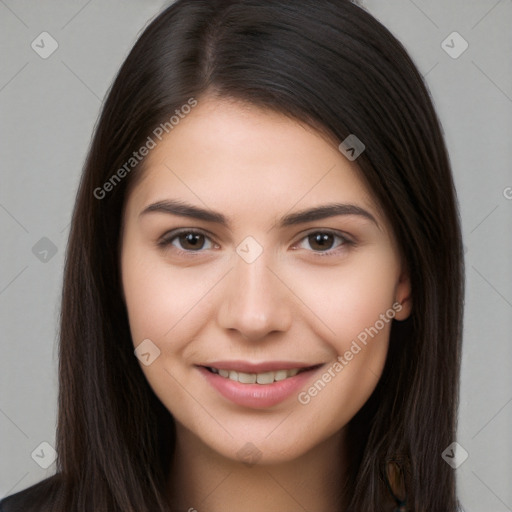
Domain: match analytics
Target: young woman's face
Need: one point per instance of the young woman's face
(230, 272)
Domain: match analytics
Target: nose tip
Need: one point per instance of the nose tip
(254, 301)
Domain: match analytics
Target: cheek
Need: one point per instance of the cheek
(159, 298)
(164, 305)
(354, 314)
(350, 298)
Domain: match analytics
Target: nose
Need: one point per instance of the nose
(255, 302)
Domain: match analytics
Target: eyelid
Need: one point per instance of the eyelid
(341, 234)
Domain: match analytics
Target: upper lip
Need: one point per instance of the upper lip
(247, 367)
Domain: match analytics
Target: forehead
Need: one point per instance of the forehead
(231, 155)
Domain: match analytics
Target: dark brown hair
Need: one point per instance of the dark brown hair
(327, 63)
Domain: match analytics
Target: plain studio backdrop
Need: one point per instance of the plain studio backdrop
(50, 97)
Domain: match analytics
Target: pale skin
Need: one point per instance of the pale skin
(290, 304)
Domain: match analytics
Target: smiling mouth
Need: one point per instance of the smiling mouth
(262, 378)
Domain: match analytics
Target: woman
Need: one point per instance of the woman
(262, 298)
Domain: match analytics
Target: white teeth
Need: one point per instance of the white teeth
(247, 378)
(280, 375)
(260, 378)
(265, 378)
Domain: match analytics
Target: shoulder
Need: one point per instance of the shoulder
(31, 499)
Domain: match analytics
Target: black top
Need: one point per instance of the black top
(17, 502)
(30, 499)
(33, 498)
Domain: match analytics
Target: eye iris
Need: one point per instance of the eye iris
(192, 239)
(323, 240)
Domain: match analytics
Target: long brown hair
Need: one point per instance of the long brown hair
(332, 65)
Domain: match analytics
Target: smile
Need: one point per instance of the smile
(265, 386)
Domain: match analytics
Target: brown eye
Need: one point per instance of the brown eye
(321, 241)
(324, 243)
(186, 241)
(191, 241)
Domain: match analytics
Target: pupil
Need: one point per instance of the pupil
(192, 239)
(322, 239)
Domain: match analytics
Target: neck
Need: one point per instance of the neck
(203, 480)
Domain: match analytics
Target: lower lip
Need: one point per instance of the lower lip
(257, 396)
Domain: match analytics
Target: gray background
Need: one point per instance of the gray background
(48, 111)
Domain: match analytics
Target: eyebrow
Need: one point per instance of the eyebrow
(184, 209)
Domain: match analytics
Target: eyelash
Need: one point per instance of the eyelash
(168, 238)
